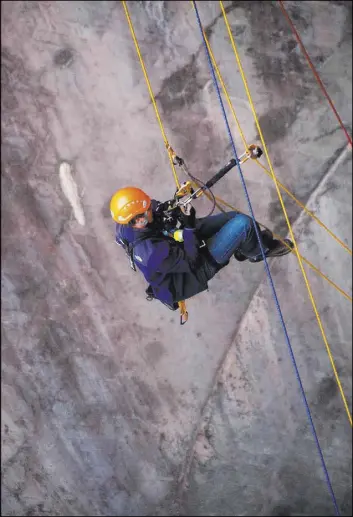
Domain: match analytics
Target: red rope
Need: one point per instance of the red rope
(349, 138)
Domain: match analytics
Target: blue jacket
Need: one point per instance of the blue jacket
(175, 271)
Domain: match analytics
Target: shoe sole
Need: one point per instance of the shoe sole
(284, 250)
(279, 253)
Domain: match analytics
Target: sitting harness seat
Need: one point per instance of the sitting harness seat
(174, 271)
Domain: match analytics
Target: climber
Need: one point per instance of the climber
(178, 263)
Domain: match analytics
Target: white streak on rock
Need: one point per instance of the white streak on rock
(70, 190)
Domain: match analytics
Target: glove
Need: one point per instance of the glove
(162, 207)
(178, 236)
(188, 216)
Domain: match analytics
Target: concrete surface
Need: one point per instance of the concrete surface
(109, 407)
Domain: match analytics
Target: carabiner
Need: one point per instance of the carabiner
(184, 315)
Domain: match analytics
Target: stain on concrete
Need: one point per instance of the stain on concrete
(56, 340)
(63, 58)
(328, 390)
(168, 394)
(347, 29)
(281, 510)
(149, 403)
(276, 123)
(302, 22)
(276, 216)
(330, 187)
(98, 16)
(228, 9)
(278, 62)
(154, 351)
(105, 210)
(181, 89)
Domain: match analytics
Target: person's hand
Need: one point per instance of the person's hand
(188, 214)
(162, 207)
(186, 209)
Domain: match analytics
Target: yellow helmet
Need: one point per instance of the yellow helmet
(127, 203)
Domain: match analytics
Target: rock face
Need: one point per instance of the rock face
(108, 406)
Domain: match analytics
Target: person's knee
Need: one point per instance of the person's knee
(244, 221)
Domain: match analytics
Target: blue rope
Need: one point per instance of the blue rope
(268, 270)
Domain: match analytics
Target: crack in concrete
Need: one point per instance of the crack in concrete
(215, 384)
(328, 172)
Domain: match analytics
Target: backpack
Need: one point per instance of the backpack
(129, 249)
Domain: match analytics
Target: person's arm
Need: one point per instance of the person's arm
(188, 216)
(167, 258)
(191, 244)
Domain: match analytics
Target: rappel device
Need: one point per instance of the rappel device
(186, 193)
(170, 212)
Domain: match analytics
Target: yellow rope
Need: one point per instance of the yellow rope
(182, 305)
(225, 92)
(314, 268)
(150, 90)
(306, 210)
(220, 202)
(260, 164)
(279, 183)
(286, 216)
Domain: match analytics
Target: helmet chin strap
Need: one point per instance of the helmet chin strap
(142, 223)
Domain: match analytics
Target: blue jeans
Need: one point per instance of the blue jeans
(227, 232)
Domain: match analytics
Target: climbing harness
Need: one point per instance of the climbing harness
(186, 188)
(248, 154)
(169, 216)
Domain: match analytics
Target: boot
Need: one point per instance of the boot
(277, 249)
(267, 239)
(239, 256)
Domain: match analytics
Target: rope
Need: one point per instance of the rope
(314, 268)
(150, 90)
(317, 77)
(286, 217)
(221, 201)
(307, 210)
(182, 305)
(260, 164)
(266, 266)
(225, 92)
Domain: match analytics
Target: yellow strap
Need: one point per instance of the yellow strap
(286, 216)
(150, 90)
(184, 315)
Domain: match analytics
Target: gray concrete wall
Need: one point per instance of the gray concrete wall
(109, 407)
